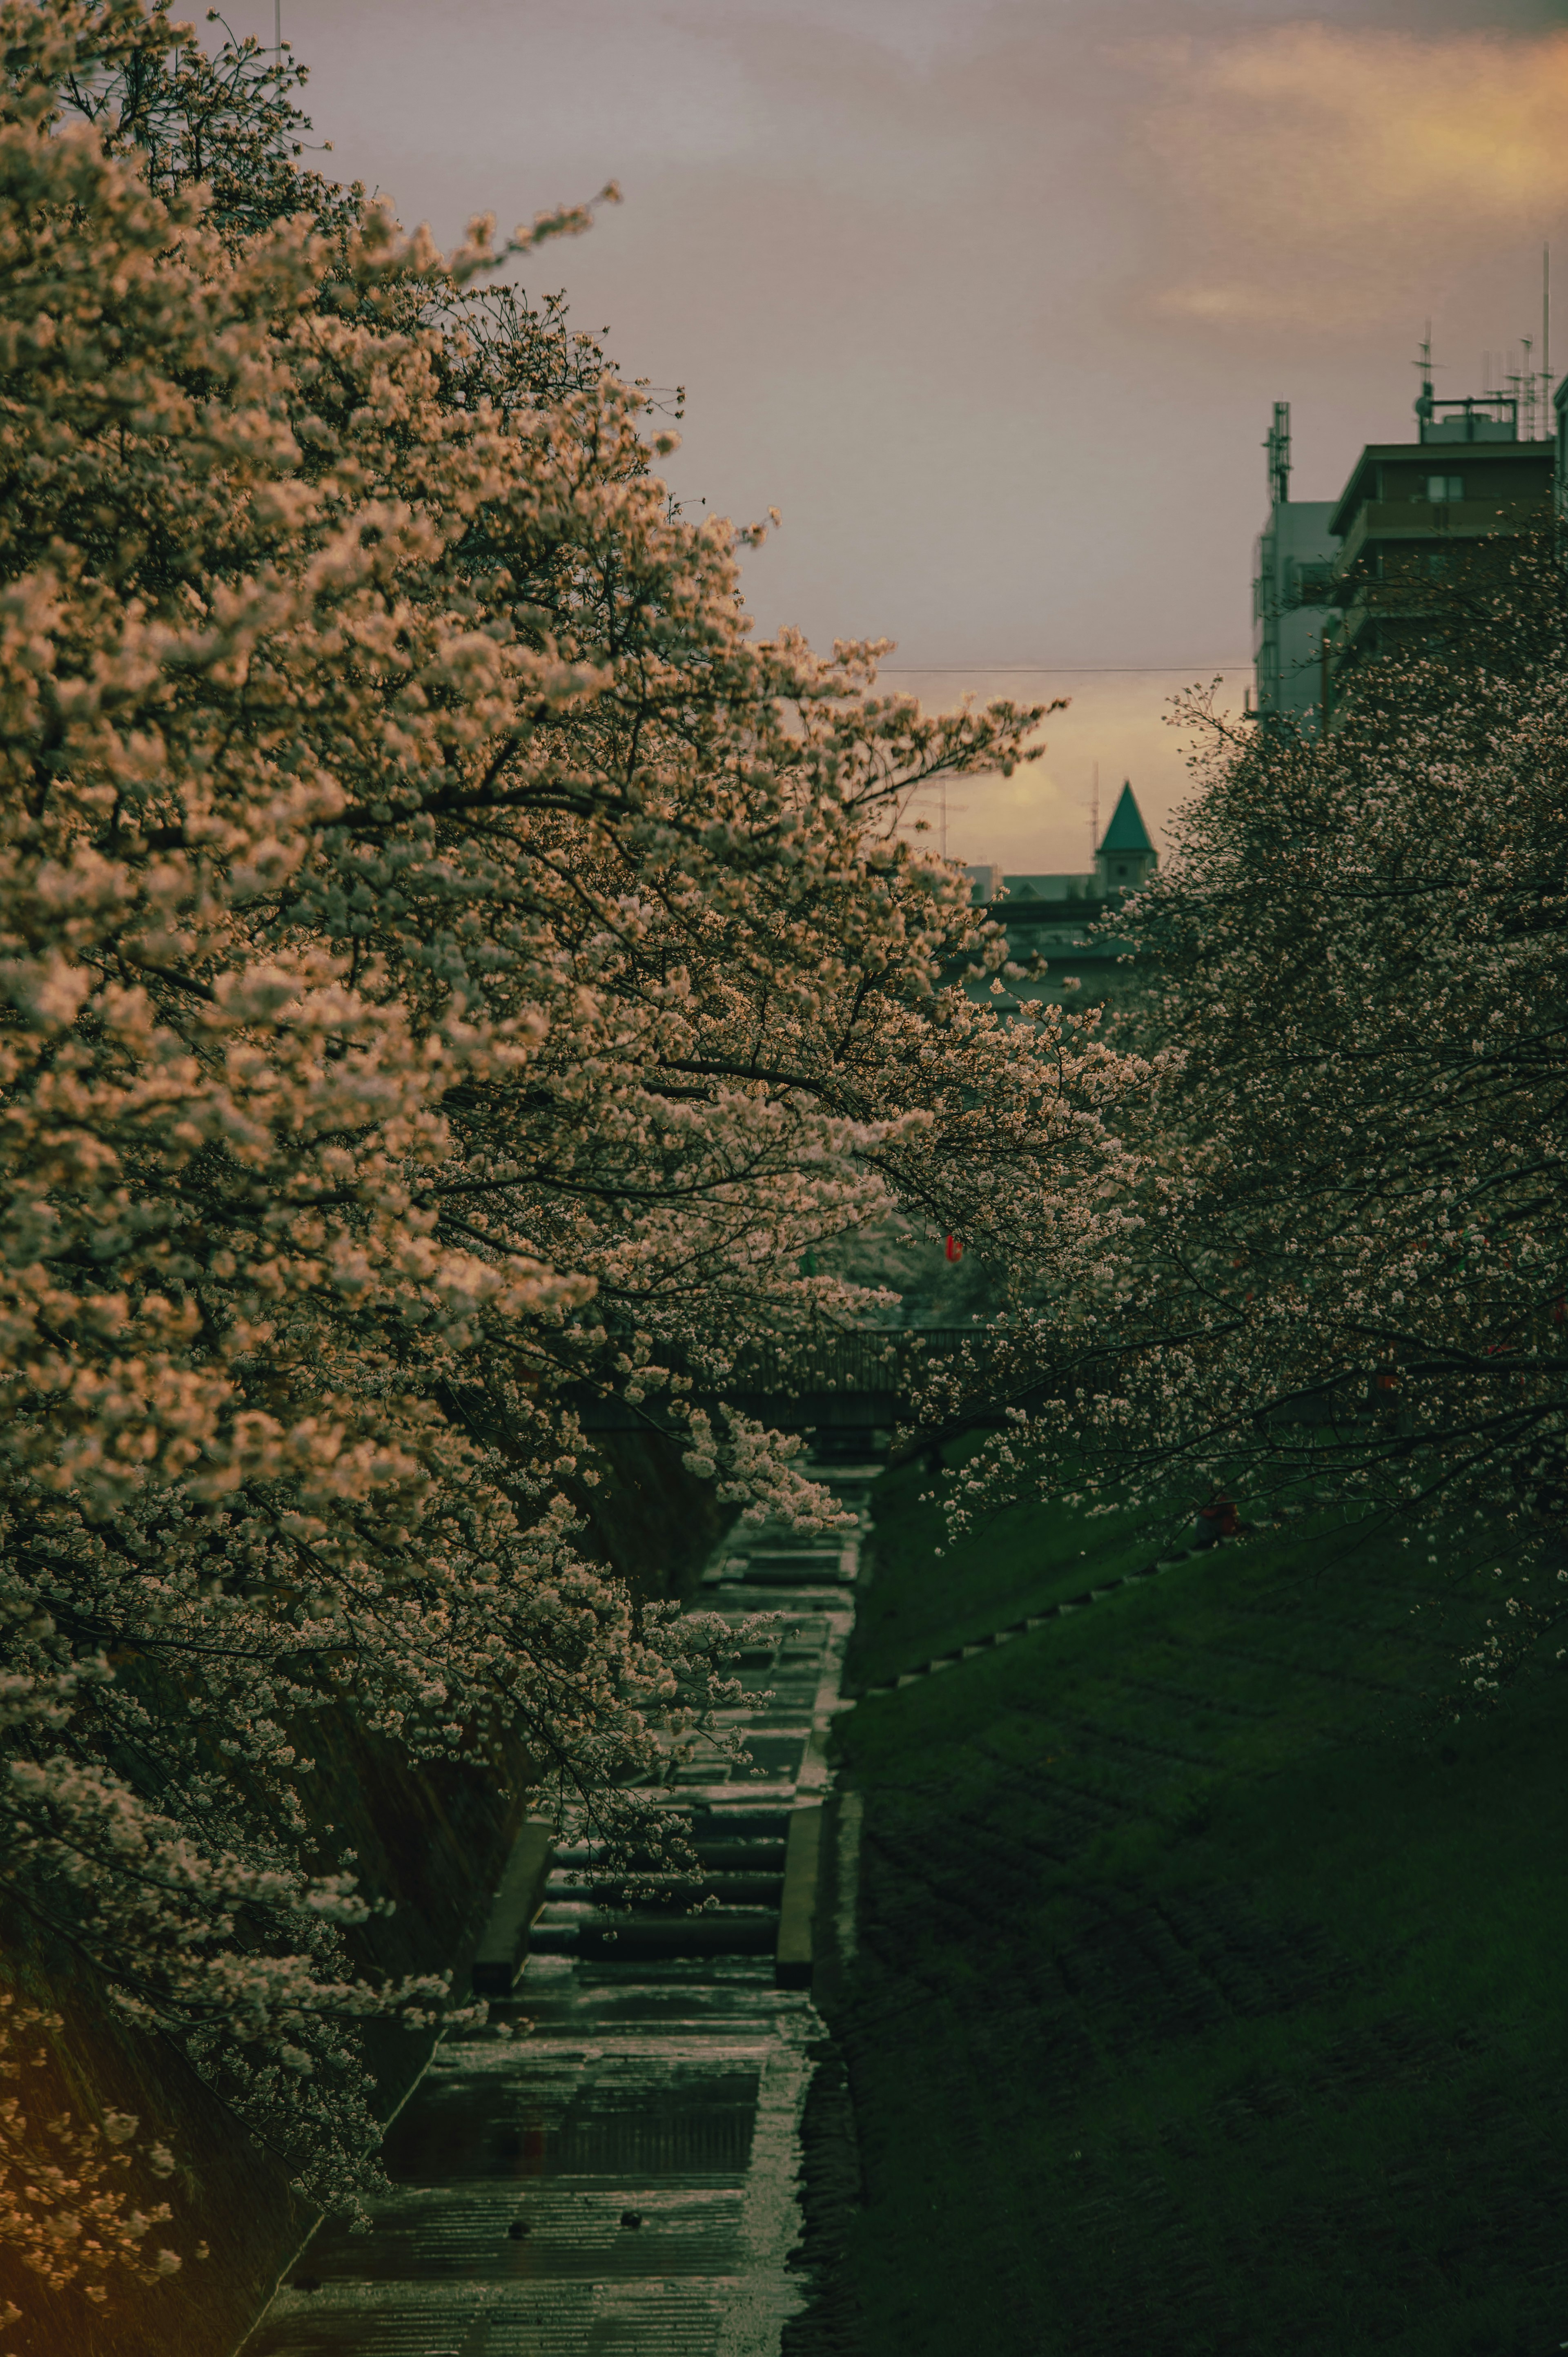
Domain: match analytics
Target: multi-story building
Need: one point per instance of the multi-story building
(1401, 560)
(1294, 565)
(1425, 529)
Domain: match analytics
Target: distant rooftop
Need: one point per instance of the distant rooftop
(1051, 888)
(1125, 839)
(1126, 831)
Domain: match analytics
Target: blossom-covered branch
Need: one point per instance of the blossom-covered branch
(445, 961)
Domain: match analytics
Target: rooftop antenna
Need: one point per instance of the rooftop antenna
(1546, 338)
(1277, 444)
(1424, 398)
(1094, 819)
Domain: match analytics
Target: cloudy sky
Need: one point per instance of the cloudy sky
(991, 301)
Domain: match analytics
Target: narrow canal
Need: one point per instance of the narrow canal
(623, 2175)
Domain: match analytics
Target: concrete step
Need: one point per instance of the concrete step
(624, 2178)
(618, 1938)
(718, 1823)
(720, 1853)
(729, 1890)
(791, 1575)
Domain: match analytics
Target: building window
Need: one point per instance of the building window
(1441, 488)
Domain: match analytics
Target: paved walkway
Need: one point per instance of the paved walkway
(623, 2177)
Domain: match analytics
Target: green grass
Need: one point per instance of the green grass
(1210, 1988)
(1023, 1558)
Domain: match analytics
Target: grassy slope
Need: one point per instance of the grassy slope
(1209, 1989)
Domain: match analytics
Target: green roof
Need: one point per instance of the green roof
(1126, 831)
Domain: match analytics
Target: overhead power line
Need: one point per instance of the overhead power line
(1058, 670)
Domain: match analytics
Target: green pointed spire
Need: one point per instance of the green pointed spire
(1126, 831)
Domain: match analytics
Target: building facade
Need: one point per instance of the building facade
(1293, 566)
(1405, 555)
(1425, 529)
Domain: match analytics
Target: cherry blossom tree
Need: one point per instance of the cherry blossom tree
(449, 967)
(67, 2189)
(1337, 1269)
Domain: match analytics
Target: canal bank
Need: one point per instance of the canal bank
(647, 2146)
(1205, 1993)
(431, 1838)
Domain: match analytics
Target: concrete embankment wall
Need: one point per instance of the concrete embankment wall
(648, 1516)
(434, 1840)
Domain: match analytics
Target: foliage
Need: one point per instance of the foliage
(223, 122)
(448, 969)
(65, 2206)
(1341, 1266)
